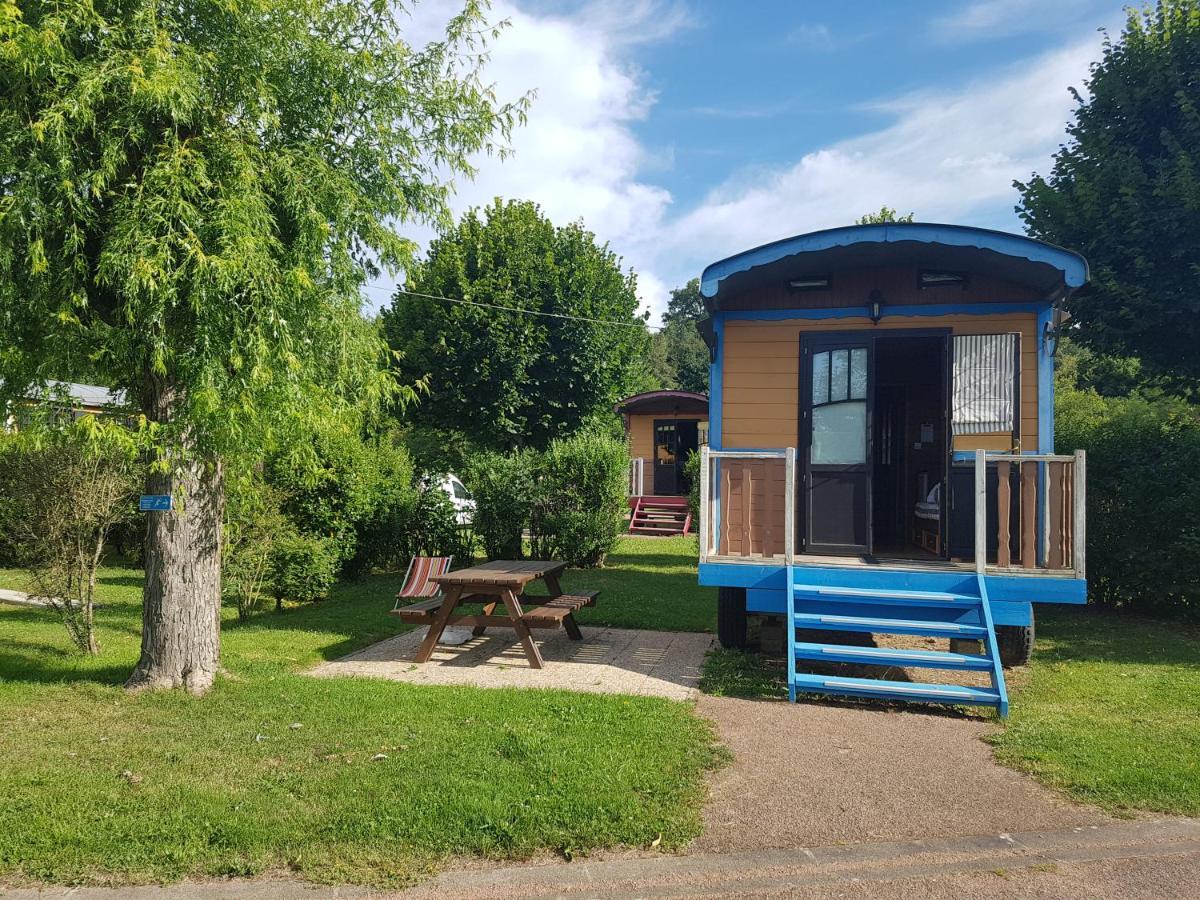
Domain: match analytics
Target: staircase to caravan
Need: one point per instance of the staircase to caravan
(660, 516)
(962, 613)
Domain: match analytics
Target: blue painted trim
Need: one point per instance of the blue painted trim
(861, 312)
(716, 380)
(998, 685)
(968, 456)
(1073, 266)
(1045, 385)
(765, 581)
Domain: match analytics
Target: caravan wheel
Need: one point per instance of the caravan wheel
(731, 617)
(1015, 643)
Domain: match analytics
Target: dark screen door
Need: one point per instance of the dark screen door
(666, 458)
(835, 404)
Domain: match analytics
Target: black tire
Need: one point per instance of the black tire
(731, 618)
(1015, 643)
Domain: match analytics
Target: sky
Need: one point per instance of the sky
(683, 131)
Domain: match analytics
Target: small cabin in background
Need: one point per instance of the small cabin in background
(75, 400)
(663, 429)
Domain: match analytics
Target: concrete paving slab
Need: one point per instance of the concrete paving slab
(607, 660)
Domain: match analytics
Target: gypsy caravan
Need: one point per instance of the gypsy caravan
(881, 454)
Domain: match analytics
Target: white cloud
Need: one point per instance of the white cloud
(988, 19)
(949, 155)
(577, 156)
(812, 36)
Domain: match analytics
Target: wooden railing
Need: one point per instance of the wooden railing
(1029, 510)
(637, 477)
(1040, 502)
(747, 504)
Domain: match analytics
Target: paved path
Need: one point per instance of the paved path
(816, 774)
(1159, 860)
(20, 598)
(607, 660)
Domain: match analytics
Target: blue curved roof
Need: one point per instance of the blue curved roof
(1013, 256)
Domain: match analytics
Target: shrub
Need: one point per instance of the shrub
(691, 477)
(65, 488)
(503, 488)
(433, 528)
(254, 524)
(330, 487)
(303, 568)
(1143, 492)
(580, 498)
(382, 534)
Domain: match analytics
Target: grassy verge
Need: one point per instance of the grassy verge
(332, 779)
(1109, 712)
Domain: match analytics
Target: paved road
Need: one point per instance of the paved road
(1153, 859)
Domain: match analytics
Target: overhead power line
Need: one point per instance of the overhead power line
(516, 309)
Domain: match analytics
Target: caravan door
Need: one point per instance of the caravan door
(835, 443)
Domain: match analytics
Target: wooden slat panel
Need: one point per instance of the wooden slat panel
(747, 522)
(1003, 511)
(726, 505)
(1029, 473)
(1055, 474)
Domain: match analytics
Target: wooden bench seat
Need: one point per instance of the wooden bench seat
(419, 613)
(560, 611)
(553, 612)
(422, 612)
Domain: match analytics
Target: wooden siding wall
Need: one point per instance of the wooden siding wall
(751, 491)
(641, 438)
(761, 376)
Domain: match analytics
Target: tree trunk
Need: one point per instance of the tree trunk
(181, 600)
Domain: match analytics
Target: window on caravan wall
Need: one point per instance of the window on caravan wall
(985, 396)
(839, 407)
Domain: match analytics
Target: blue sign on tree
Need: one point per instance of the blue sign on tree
(154, 502)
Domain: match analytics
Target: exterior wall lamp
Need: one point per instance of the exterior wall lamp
(875, 306)
(1053, 330)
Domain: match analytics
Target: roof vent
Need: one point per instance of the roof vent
(930, 279)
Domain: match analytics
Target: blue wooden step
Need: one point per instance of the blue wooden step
(882, 625)
(888, 656)
(868, 595)
(896, 690)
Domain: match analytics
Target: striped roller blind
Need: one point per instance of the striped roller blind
(985, 370)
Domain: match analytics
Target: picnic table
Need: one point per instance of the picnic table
(500, 582)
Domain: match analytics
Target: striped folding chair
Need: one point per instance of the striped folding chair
(418, 581)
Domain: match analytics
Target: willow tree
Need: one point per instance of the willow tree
(191, 193)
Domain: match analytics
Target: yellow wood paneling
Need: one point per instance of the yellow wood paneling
(760, 379)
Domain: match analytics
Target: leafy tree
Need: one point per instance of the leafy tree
(686, 304)
(191, 194)
(885, 214)
(510, 379)
(1124, 191)
(679, 358)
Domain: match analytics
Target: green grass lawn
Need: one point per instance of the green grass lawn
(333, 779)
(1109, 712)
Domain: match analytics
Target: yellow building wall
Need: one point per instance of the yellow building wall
(761, 375)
